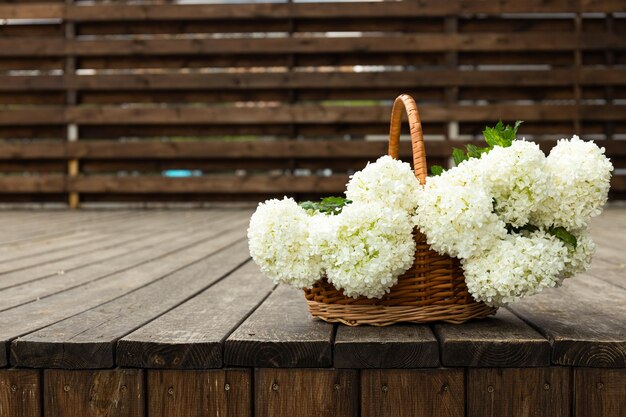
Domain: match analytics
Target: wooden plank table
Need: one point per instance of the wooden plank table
(162, 313)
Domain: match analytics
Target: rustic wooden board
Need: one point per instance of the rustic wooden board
(281, 333)
(223, 392)
(88, 340)
(33, 316)
(584, 321)
(20, 393)
(398, 346)
(599, 392)
(192, 335)
(300, 392)
(518, 391)
(503, 340)
(413, 393)
(114, 393)
(46, 279)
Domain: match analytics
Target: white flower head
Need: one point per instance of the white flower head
(282, 244)
(579, 258)
(458, 220)
(580, 180)
(516, 177)
(367, 248)
(387, 181)
(515, 267)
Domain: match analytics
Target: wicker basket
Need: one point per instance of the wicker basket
(433, 289)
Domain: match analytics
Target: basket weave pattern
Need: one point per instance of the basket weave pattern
(433, 289)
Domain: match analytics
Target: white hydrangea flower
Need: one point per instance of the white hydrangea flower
(579, 258)
(467, 173)
(387, 181)
(516, 176)
(457, 220)
(580, 180)
(281, 243)
(515, 267)
(367, 248)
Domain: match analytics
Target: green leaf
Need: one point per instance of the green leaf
(563, 235)
(474, 151)
(436, 170)
(527, 227)
(491, 136)
(501, 135)
(458, 156)
(332, 205)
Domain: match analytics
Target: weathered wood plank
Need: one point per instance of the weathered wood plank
(281, 333)
(223, 392)
(225, 184)
(503, 340)
(104, 12)
(599, 392)
(79, 245)
(518, 391)
(309, 80)
(50, 278)
(87, 340)
(20, 393)
(33, 316)
(299, 392)
(583, 320)
(192, 335)
(423, 42)
(114, 393)
(413, 393)
(399, 346)
(297, 113)
(43, 279)
(233, 151)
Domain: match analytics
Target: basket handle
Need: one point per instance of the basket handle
(406, 102)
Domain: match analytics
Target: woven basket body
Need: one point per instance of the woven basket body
(433, 289)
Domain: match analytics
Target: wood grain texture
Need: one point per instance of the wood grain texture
(413, 393)
(599, 392)
(30, 317)
(398, 346)
(20, 393)
(584, 321)
(281, 333)
(87, 340)
(223, 392)
(233, 151)
(502, 340)
(520, 392)
(111, 393)
(303, 392)
(192, 335)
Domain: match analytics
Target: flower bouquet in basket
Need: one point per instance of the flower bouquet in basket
(504, 223)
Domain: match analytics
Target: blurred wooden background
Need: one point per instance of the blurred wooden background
(203, 102)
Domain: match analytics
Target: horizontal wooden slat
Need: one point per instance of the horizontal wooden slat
(301, 114)
(240, 150)
(335, 10)
(315, 45)
(212, 184)
(336, 80)
(32, 11)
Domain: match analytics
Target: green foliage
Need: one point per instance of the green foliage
(501, 135)
(563, 235)
(330, 205)
(458, 156)
(558, 232)
(436, 170)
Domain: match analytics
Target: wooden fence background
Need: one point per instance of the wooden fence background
(99, 101)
